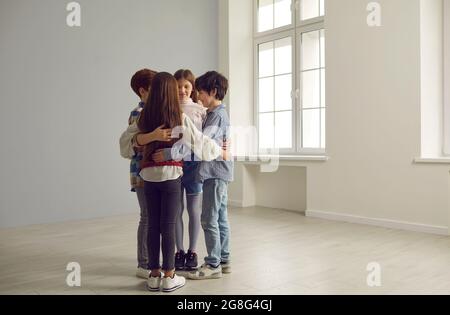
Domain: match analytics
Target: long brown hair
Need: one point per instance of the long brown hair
(188, 76)
(162, 108)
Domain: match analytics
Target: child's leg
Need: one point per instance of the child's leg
(153, 198)
(170, 204)
(179, 227)
(224, 225)
(195, 212)
(194, 204)
(209, 220)
(142, 235)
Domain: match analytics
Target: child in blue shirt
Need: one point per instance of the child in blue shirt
(215, 176)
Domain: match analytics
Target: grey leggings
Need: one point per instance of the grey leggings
(194, 209)
(163, 200)
(142, 235)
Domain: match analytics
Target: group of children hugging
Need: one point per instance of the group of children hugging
(177, 140)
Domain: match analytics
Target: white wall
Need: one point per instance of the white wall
(241, 73)
(373, 124)
(290, 195)
(65, 97)
(239, 68)
(373, 80)
(447, 75)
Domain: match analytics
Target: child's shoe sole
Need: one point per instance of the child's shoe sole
(179, 282)
(153, 289)
(173, 289)
(194, 276)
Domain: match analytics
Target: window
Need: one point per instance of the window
(273, 14)
(290, 104)
(447, 77)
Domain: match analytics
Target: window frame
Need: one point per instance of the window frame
(257, 42)
(257, 34)
(295, 31)
(314, 26)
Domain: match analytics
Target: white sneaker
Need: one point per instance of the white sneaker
(154, 283)
(142, 273)
(206, 272)
(172, 284)
(226, 267)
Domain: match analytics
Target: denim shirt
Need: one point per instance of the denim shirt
(217, 127)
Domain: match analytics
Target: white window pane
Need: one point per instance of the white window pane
(322, 48)
(311, 128)
(311, 89)
(309, 9)
(283, 14)
(283, 130)
(322, 88)
(265, 15)
(283, 56)
(322, 7)
(283, 90)
(323, 129)
(266, 131)
(310, 50)
(266, 60)
(266, 98)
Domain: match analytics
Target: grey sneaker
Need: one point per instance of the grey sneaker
(206, 272)
(226, 267)
(142, 273)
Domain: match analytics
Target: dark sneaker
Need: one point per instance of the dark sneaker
(180, 258)
(191, 261)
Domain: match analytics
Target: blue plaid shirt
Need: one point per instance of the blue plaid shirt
(135, 167)
(217, 127)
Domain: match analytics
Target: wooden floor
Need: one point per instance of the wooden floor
(274, 252)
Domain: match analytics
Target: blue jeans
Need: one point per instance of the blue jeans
(190, 183)
(215, 221)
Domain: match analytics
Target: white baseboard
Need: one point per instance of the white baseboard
(399, 225)
(236, 203)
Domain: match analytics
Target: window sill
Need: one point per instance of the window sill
(284, 160)
(437, 160)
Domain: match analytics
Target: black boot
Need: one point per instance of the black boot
(191, 261)
(180, 258)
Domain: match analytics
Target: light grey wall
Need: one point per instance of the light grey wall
(65, 97)
(374, 126)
